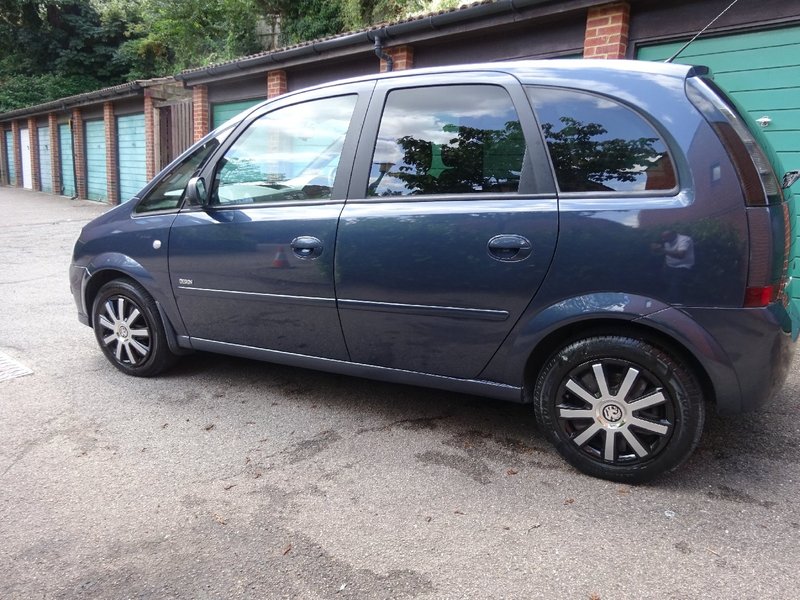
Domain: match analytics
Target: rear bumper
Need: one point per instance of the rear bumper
(759, 349)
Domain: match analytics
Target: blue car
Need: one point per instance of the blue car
(605, 240)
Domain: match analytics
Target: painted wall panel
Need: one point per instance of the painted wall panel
(131, 148)
(45, 172)
(25, 155)
(12, 172)
(222, 112)
(67, 166)
(96, 182)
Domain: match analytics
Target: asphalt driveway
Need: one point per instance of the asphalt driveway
(230, 478)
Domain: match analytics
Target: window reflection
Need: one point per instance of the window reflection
(598, 145)
(447, 140)
(291, 153)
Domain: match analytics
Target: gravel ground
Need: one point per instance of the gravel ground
(230, 478)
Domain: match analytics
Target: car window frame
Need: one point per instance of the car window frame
(540, 184)
(361, 90)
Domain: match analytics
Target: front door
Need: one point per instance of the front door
(254, 267)
(447, 234)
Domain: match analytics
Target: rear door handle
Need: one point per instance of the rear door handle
(509, 247)
(306, 247)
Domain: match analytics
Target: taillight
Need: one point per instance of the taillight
(759, 182)
(767, 271)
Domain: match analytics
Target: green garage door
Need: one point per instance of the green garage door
(130, 142)
(222, 112)
(761, 70)
(12, 173)
(67, 168)
(45, 172)
(96, 182)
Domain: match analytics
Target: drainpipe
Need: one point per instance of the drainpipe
(383, 55)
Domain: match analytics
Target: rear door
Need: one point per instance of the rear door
(254, 267)
(450, 224)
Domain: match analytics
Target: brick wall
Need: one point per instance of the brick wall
(202, 122)
(149, 136)
(55, 153)
(112, 168)
(402, 56)
(33, 135)
(16, 150)
(607, 31)
(277, 83)
(79, 158)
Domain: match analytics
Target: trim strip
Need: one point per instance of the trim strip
(278, 298)
(453, 312)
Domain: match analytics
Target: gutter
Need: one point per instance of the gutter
(125, 90)
(380, 35)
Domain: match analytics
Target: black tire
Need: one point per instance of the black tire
(646, 400)
(129, 330)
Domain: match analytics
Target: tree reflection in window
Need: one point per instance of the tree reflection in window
(598, 145)
(453, 140)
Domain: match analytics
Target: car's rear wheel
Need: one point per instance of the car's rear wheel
(128, 328)
(619, 408)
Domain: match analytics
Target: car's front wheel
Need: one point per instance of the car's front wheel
(128, 328)
(619, 408)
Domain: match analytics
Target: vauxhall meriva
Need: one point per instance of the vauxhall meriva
(606, 240)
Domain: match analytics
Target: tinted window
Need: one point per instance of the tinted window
(168, 193)
(291, 153)
(598, 145)
(447, 140)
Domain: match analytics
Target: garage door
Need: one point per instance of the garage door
(222, 112)
(130, 142)
(45, 164)
(761, 70)
(96, 183)
(65, 151)
(12, 172)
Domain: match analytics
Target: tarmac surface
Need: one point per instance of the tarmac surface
(227, 478)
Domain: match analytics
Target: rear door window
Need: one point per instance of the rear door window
(459, 139)
(599, 145)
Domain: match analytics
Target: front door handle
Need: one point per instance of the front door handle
(306, 247)
(509, 247)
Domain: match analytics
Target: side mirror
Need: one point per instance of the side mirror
(789, 178)
(196, 192)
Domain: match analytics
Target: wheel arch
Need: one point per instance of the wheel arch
(597, 326)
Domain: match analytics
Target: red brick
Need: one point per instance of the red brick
(16, 151)
(277, 83)
(402, 57)
(33, 135)
(79, 158)
(55, 153)
(200, 111)
(606, 33)
(112, 166)
(149, 136)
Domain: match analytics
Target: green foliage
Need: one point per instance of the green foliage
(17, 91)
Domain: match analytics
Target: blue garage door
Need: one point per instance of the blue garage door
(12, 173)
(67, 168)
(130, 143)
(45, 164)
(96, 182)
(227, 110)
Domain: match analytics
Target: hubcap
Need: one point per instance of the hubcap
(125, 331)
(615, 412)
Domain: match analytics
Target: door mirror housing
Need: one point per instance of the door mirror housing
(196, 192)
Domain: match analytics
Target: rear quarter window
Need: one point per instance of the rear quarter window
(599, 145)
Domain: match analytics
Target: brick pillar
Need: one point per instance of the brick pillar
(15, 149)
(277, 83)
(33, 136)
(402, 56)
(55, 153)
(200, 111)
(112, 166)
(79, 153)
(607, 31)
(149, 136)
